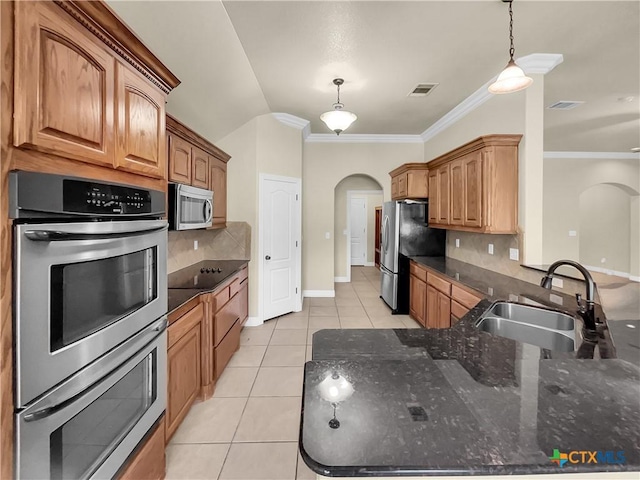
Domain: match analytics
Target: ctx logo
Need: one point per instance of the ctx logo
(587, 456)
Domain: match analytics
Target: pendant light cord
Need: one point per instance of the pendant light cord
(512, 50)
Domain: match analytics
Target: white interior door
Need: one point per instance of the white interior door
(358, 230)
(280, 245)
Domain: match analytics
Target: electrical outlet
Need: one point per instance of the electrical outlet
(195, 244)
(514, 254)
(557, 299)
(491, 249)
(557, 282)
(573, 233)
(195, 280)
(603, 260)
(345, 232)
(457, 243)
(490, 290)
(327, 235)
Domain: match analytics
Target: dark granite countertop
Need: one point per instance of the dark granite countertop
(190, 282)
(460, 401)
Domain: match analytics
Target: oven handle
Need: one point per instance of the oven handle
(59, 235)
(51, 410)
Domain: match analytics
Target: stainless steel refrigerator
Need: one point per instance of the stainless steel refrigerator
(405, 233)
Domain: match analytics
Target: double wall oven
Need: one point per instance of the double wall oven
(90, 318)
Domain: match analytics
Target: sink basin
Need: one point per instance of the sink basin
(538, 326)
(537, 316)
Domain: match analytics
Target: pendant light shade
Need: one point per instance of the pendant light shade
(512, 78)
(338, 119)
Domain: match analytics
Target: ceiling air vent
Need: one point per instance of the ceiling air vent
(422, 89)
(565, 105)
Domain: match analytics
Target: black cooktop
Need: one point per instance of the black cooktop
(205, 275)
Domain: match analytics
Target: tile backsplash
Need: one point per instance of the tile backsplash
(231, 243)
(474, 249)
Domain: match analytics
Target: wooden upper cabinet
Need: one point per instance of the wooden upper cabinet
(64, 87)
(475, 186)
(433, 196)
(409, 181)
(141, 125)
(457, 193)
(179, 160)
(218, 183)
(443, 194)
(200, 168)
(472, 173)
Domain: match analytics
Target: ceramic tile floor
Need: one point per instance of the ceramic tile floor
(249, 429)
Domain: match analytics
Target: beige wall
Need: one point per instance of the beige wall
(565, 180)
(354, 183)
(324, 166)
(262, 145)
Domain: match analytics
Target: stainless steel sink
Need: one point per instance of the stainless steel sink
(538, 316)
(538, 326)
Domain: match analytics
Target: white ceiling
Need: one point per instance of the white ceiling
(239, 59)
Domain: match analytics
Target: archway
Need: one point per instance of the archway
(356, 186)
(608, 240)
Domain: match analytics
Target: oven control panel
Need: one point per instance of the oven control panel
(81, 196)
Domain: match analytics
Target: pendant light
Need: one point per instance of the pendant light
(512, 78)
(338, 119)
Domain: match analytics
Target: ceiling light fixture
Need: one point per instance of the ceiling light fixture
(512, 78)
(338, 119)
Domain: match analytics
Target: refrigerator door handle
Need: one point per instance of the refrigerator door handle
(385, 233)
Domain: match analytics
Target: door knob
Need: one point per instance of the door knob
(267, 257)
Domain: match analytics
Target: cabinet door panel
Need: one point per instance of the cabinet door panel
(444, 311)
(431, 320)
(402, 185)
(141, 126)
(200, 172)
(394, 188)
(243, 295)
(417, 184)
(218, 182)
(64, 87)
(472, 168)
(457, 193)
(183, 385)
(417, 299)
(225, 318)
(179, 160)
(433, 196)
(443, 194)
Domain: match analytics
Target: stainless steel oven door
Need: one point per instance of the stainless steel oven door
(81, 290)
(89, 425)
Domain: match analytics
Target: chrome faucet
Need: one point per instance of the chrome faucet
(586, 311)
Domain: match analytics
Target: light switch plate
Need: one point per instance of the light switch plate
(514, 254)
(195, 244)
(345, 232)
(573, 233)
(491, 249)
(457, 243)
(327, 235)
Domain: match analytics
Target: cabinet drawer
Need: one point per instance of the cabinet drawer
(458, 310)
(243, 298)
(243, 274)
(439, 283)
(220, 298)
(467, 299)
(149, 460)
(184, 324)
(234, 287)
(225, 318)
(418, 271)
(227, 348)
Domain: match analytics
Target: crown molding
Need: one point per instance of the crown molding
(535, 63)
(593, 155)
(362, 138)
(295, 122)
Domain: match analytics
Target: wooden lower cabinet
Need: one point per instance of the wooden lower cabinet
(437, 302)
(148, 463)
(184, 367)
(417, 299)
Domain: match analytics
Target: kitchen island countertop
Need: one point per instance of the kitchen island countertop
(458, 401)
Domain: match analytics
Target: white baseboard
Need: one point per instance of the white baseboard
(253, 322)
(608, 271)
(340, 279)
(318, 293)
(369, 264)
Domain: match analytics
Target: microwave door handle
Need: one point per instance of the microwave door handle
(65, 402)
(62, 236)
(208, 210)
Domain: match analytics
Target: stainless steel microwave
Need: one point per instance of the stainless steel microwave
(189, 207)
